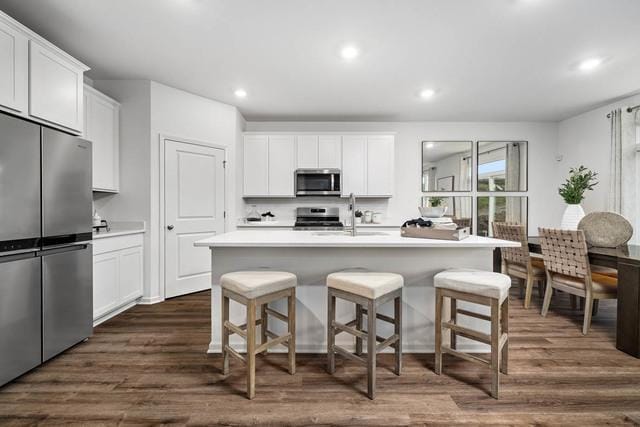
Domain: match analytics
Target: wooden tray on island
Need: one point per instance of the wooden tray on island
(433, 233)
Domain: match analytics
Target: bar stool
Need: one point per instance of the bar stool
(257, 289)
(478, 287)
(370, 290)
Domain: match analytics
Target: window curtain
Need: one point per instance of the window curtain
(623, 167)
(512, 183)
(465, 174)
(431, 179)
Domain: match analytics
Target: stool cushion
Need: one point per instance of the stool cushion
(366, 284)
(253, 284)
(475, 282)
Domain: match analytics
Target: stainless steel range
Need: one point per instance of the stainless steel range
(318, 219)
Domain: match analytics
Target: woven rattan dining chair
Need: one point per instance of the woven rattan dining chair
(566, 262)
(517, 262)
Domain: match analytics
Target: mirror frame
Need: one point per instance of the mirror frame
(477, 169)
(422, 148)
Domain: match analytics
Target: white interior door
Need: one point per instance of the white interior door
(194, 210)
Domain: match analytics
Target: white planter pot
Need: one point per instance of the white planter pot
(571, 217)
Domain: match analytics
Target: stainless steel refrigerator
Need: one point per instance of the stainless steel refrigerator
(46, 273)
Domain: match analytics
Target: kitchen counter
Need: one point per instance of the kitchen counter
(121, 228)
(364, 239)
(289, 223)
(312, 255)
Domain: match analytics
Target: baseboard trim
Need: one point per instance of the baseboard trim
(151, 300)
(114, 313)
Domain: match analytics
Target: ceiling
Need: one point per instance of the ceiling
(490, 60)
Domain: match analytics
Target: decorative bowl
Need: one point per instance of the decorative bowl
(433, 212)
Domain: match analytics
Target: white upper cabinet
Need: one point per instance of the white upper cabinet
(14, 61)
(101, 127)
(38, 81)
(354, 165)
(256, 165)
(380, 159)
(282, 165)
(307, 152)
(330, 151)
(56, 88)
(368, 165)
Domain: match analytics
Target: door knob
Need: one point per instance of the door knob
(169, 227)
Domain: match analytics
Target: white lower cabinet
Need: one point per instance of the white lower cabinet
(117, 274)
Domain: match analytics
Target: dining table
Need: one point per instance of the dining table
(625, 259)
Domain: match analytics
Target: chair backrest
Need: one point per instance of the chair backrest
(515, 233)
(565, 252)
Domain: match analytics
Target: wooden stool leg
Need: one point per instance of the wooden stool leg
(398, 331)
(454, 320)
(251, 349)
(504, 326)
(438, 322)
(588, 310)
(495, 348)
(264, 324)
(331, 336)
(371, 349)
(547, 299)
(359, 328)
(291, 314)
(225, 335)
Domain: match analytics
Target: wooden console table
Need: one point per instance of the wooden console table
(627, 261)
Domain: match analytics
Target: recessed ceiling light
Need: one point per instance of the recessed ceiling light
(240, 93)
(427, 93)
(349, 52)
(590, 64)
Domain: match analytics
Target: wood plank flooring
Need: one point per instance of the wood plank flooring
(149, 366)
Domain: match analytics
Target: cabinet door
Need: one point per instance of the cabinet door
(256, 165)
(354, 167)
(102, 129)
(56, 86)
(106, 276)
(281, 165)
(307, 151)
(380, 155)
(130, 275)
(330, 151)
(14, 61)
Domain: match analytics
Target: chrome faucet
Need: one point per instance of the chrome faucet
(352, 207)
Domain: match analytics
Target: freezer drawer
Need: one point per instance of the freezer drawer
(67, 299)
(66, 184)
(19, 181)
(20, 319)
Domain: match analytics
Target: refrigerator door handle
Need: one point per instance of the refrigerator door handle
(64, 248)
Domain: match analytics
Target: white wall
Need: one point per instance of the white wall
(151, 110)
(585, 140)
(542, 137)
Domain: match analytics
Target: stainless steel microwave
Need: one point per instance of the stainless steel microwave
(318, 182)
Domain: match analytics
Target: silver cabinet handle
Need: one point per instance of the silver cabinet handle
(169, 227)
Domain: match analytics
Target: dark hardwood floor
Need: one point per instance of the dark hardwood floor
(149, 366)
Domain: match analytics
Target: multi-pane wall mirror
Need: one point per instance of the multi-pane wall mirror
(502, 166)
(459, 209)
(446, 166)
(500, 209)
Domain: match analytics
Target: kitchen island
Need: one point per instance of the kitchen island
(312, 255)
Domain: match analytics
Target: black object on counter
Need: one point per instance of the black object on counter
(418, 222)
(268, 214)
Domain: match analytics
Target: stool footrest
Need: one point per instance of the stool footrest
(468, 333)
(234, 353)
(347, 354)
(473, 314)
(381, 316)
(344, 328)
(386, 343)
(271, 343)
(277, 314)
(239, 330)
(466, 356)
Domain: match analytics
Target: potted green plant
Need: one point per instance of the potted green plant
(572, 192)
(434, 208)
(358, 215)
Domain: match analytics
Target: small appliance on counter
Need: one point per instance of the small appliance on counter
(253, 215)
(103, 225)
(318, 219)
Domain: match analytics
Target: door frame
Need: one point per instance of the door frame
(161, 230)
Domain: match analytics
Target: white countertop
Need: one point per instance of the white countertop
(289, 223)
(121, 228)
(381, 239)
